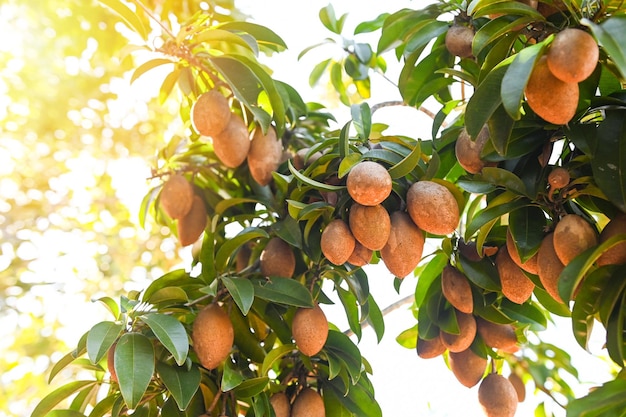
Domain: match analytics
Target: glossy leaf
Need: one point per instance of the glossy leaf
(242, 291)
(315, 184)
(612, 36)
(605, 401)
(283, 291)
(134, 366)
(147, 66)
(100, 339)
(341, 345)
(274, 356)
(228, 249)
(493, 212)
(66, 360)
(231, 378)
(55, 397)
(263, 35)
(485, 100)
(111, 305)
(609, 161)
(362, 119)
(182, 383)
(374, 316)
(251, 387)
(171, 333)
(526, 225)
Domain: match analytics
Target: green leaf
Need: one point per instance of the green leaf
(274, 356)
(67, 359)
(242, 291)
(427, 275)
(315, 184)
(485, 99)
(516, 77)
(55, 397)
(111, 305)
(330, 21)
(350, 306)
(64, 413)
(134, 366)
(317, 72)
(130, 18)
(168, 84)
(526, 225)
(527, 313)
(231, 377)
(251, 387)
(609, 161)
(178, 278)
(341, 346)
(230, 246)
(483, 273)
(408, 338)
(100, 338)
(104, 406)
(605, 401)
(284, 291)
(263, 35)
(147, 66)
(502, 178)
(374, 317)
(615, 332)
(408, 164)
(362, 119)
(493, 212)
(611, 35)
(288, 230)
(347, 163)
(171, 333)
(182, 383)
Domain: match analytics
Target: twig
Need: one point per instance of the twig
(379, 106)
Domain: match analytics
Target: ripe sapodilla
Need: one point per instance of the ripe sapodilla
(572, 236)
(456, 289)
(176, 196)
(467, 333)
(573, 55)
(191, 226)
(467, 367)
(310, 329)
(404, 247)
(459, 39)
(308, 403)
(337, 242)
(496, 335)
(432, 207)
(211, 113)
(213, 335)
(277, 259)
(616, 254)
(497, 396)
(430, 348)
(361, 255)
(530, 265)
(549, 267)
(232, 144)
(370, 225)
(369, 183)
(280, 404)
(468, 151)
(516, 286)
(264, 155)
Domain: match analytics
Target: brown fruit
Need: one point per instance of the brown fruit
(264, 155)
(456, 289)
(361, 255)
(280, 404)
(176, 196)
(617, 254)
(405, 245)
(459, 40)
(496, 335)
(277, 259)
(549, 267)
(300, 160)
(370, 225)
(558, 178)
(520, 387)
(310, 329)
(111, 362)
(369, 183)
(573, 55)
(232, 144)
(210, 113)
(430, 348)
(337, 242)
(467, 333)
(572, 236)
(467, 367)
(515, 284)
(549, 9)
(468, 151)
(191, 226)
(308, 403)
(530, 265)
(212, 336)
(497, 396)
(243, 257)
(553, 100)
(432, 207)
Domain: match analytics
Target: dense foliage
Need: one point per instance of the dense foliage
(149, 336)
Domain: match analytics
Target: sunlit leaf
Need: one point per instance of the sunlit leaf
(134, 366)
(147, 66)
(604, 401)
(242, 291)
(171, 333)
(55, 397)
(129, 17)
(229, 248)
(101, 337)
(263, 35)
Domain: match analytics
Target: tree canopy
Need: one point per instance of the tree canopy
(520, 188)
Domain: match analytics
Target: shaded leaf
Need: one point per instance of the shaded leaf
(182, 383)
(134, 366)
(284, 291)
(251, 387)
(100, 338)
(242, 291)
(171, 333)
(55, 397)
(275, 355)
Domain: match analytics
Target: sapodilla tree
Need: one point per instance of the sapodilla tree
(536, 122)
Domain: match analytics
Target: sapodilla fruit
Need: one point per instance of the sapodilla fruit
(191, 226)
(573, 55)
(530, 265)
(308, 403)
(520, 387)
(264, 155)
(497, 396)
(280, 404)
(456, 289)
(111, 362)
(617, 254)
(553, 100)
(404, 247)
(310, 329)
(467, 333)
(176, 196)
(210, 113)
(212, 336)
(277, 259)
(572, 236)
(369, 183)
(337, 242)
(370, 225)
(242, 259)
(232, 144)
(496, 335)
(459, 39)
(361, 255)
(549, 267)
(432, 207)
(300, 161)
(468, 151)
(430, 348)
(558, 178)
(516, 286)
(467, 367)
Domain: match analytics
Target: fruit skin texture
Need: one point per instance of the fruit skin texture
(277, 259)
(432, 207)
(192, 225)
(468, 151)
(496, 335)
(617, 254)
(310, 329)
(280, 404)
(264, 155)
(515, 284)
(176, 196)
(361, 255)
(530, 265)
(459, 40)
(558, 178)
(467, 367)
(497, 396)
(369, 183)
(549, 267)
(370, 225)
(308, 403)
(456, 289)
(405, 245)
(232, 144)
(212, 336)
(429, 348)
(553, 100)
(572, 236)
(210, 114)
(463, 340)
(520, 387)
(337, 242)
(573, 55)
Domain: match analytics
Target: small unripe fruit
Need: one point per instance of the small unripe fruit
(310, 330)
(558, 178)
